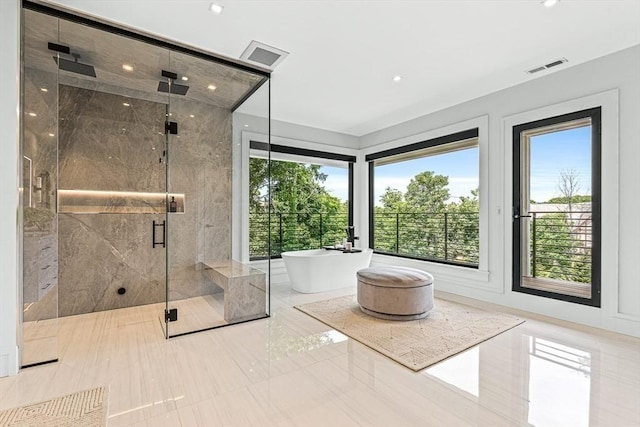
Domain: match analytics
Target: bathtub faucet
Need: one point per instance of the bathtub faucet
(351, 237)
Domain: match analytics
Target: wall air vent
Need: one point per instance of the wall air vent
(547, 66)
(263, 55)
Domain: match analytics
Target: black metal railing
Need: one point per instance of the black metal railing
(560, 245)
(559, 241)
(294, 231)
(451, 237)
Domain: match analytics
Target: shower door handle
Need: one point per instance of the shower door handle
(155, 225)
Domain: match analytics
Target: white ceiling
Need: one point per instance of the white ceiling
(343, 54)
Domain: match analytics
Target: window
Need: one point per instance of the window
(424, 200)
(310, 199)
(556, 207)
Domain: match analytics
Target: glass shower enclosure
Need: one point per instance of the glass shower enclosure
(131, 152)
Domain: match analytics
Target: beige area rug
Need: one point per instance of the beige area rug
(449, 329)
(83, 409)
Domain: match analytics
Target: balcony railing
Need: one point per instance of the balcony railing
(560, 245)
(450, 237)
(294, 231)
(559, 241)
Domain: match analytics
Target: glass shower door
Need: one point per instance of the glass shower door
(206, 286)
(198, 195)
(39, 185)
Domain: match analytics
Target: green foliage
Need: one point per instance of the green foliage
(566, 200)
(303, 214)
(421, 223)
(427, 192)
(558, 251)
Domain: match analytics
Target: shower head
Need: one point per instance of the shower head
(75, 66)
(176, 89)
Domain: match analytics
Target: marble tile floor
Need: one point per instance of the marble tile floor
(291, 370)
(195, 313)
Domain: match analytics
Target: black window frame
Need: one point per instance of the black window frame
(595, 114)
(305, 152)
(429, 143)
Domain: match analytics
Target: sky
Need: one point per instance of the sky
(337, 183)
(550, 154)
(462, 168)
(554, 152)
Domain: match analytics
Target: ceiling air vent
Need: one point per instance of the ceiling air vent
(547, 66)
(263, 55)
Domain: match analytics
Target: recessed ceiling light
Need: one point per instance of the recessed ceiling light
(126, 104)
(396, 78)
(33, 114)
(215, 8)
(185, 78)
(211, 87)
(44, 89)
(52, 134)
(246, 126)
(549, 3)
(127, 67)
(191, 115)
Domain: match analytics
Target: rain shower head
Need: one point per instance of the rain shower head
(75, 66)
(176, 89)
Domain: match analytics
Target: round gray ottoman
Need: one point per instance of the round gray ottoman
(395, 293)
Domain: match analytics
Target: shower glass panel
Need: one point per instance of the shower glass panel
(133, 170)
(112, 187)
(206, 286)
(39, 185)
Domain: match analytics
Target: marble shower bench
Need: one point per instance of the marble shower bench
(245, 289)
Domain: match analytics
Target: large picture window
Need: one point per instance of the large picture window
(424, 200)
(310, 199)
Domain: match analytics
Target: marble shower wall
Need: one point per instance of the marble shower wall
(200, 167)
(106, 145)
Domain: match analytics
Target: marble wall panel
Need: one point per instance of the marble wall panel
(105, 145)
(100, 254)
(199, 167)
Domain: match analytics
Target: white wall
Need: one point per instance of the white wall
(617, 74)
(9, 197)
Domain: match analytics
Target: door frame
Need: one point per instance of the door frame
(595, 114)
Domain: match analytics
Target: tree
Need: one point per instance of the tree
(303, 214)
(561, 241)
(427, 192)
(575, 199)
(392, 200)
(421, 223)
(569, 185)
(463, 239)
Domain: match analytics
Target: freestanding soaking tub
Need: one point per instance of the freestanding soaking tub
(319, 270)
